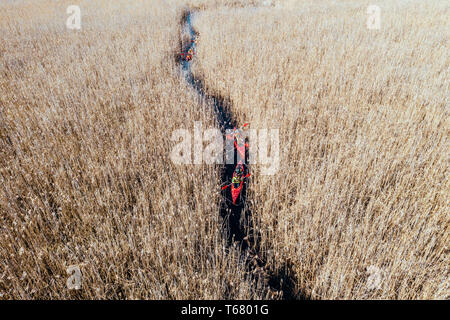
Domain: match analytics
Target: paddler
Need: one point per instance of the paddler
(237, 178)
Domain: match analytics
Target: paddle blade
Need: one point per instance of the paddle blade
(248, 175)
(245, 124)
(224, 187)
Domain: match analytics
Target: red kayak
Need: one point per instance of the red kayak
(191, 51)
(239, 142)
(237, 187)
(238, 181)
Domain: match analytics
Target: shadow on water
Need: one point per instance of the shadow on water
(237, 222)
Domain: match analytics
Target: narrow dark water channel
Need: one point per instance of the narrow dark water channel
(231, 213)
(237, 223)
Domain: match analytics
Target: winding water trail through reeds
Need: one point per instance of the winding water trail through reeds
(238, 225)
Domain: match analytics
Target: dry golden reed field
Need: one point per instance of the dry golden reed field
(360, 205)
(86, 179)
(358, 209)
